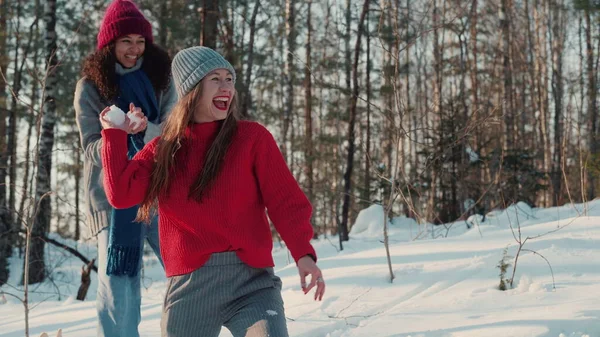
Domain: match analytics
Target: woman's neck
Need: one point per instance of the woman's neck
(201, 119)
(204, 131)
(120, 70)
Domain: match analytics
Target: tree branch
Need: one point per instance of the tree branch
(70, 249)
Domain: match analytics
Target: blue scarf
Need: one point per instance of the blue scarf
(126, 237)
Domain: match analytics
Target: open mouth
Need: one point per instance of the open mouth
(131, 57)
(221, 102)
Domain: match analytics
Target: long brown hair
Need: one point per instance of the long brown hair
(99, 68)
(173, 134)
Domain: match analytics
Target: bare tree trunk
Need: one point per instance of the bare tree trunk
(507, 104)
(162, 24)
(592, 115)
(558, 28)
(30, 124)
(351, 124)
(460, 164)
(367, 187)
(12, 125)
(387, 215)
(532, 66)
(85, 280)
(308, 122)
(400, 110)
(12, 120)
(544, 94)
(247, 102)
(411, 112)
(210, 19)
(228, 22)
(26, 173)
(5, 227)
(477, 108)
(421, 110)
(347, 50)
(290, 29)
(541, 71)
(329, 200)
(580, 114)
(544, 99)
(61, 226)
(437, 103)
(243, 30)
(343, 224)
(42, 217)
(389, 116)
(414, 142)
(292, 149)
(77, 177)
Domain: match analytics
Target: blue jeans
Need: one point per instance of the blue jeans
(119, 297)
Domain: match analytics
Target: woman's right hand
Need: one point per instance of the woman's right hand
(308, 266)
(106, 124)
(137, 113)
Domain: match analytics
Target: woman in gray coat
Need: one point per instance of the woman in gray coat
(127, 70)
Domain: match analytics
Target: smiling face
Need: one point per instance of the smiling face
(129, 48)
(218, 90)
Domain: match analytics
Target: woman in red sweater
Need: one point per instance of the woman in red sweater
(211, 177)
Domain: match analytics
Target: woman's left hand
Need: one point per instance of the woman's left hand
(307, 266)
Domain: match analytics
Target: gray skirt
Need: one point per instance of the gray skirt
(224, 292)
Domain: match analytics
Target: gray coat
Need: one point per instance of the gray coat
(88, 105)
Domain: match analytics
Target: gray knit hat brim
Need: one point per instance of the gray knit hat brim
(191, 65)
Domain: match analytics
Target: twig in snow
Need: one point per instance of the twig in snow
(548, 262)
(349, 305)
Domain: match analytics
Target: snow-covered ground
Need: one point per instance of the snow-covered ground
(446, 282)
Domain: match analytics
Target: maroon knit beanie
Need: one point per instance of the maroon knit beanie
(121, 18)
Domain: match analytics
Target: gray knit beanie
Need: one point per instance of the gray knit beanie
(191, 65)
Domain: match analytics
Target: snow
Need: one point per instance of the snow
(473, 156)
(369, 223)
(445, 285)
(519, 213)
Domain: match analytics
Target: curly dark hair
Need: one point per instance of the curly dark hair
(99, 67)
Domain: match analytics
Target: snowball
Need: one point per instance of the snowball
(115, 115)
(134, 119)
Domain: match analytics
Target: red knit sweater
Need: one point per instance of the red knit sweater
(232, 216)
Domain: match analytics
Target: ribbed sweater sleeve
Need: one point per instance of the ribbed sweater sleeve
(125, 181)
(287, 206)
